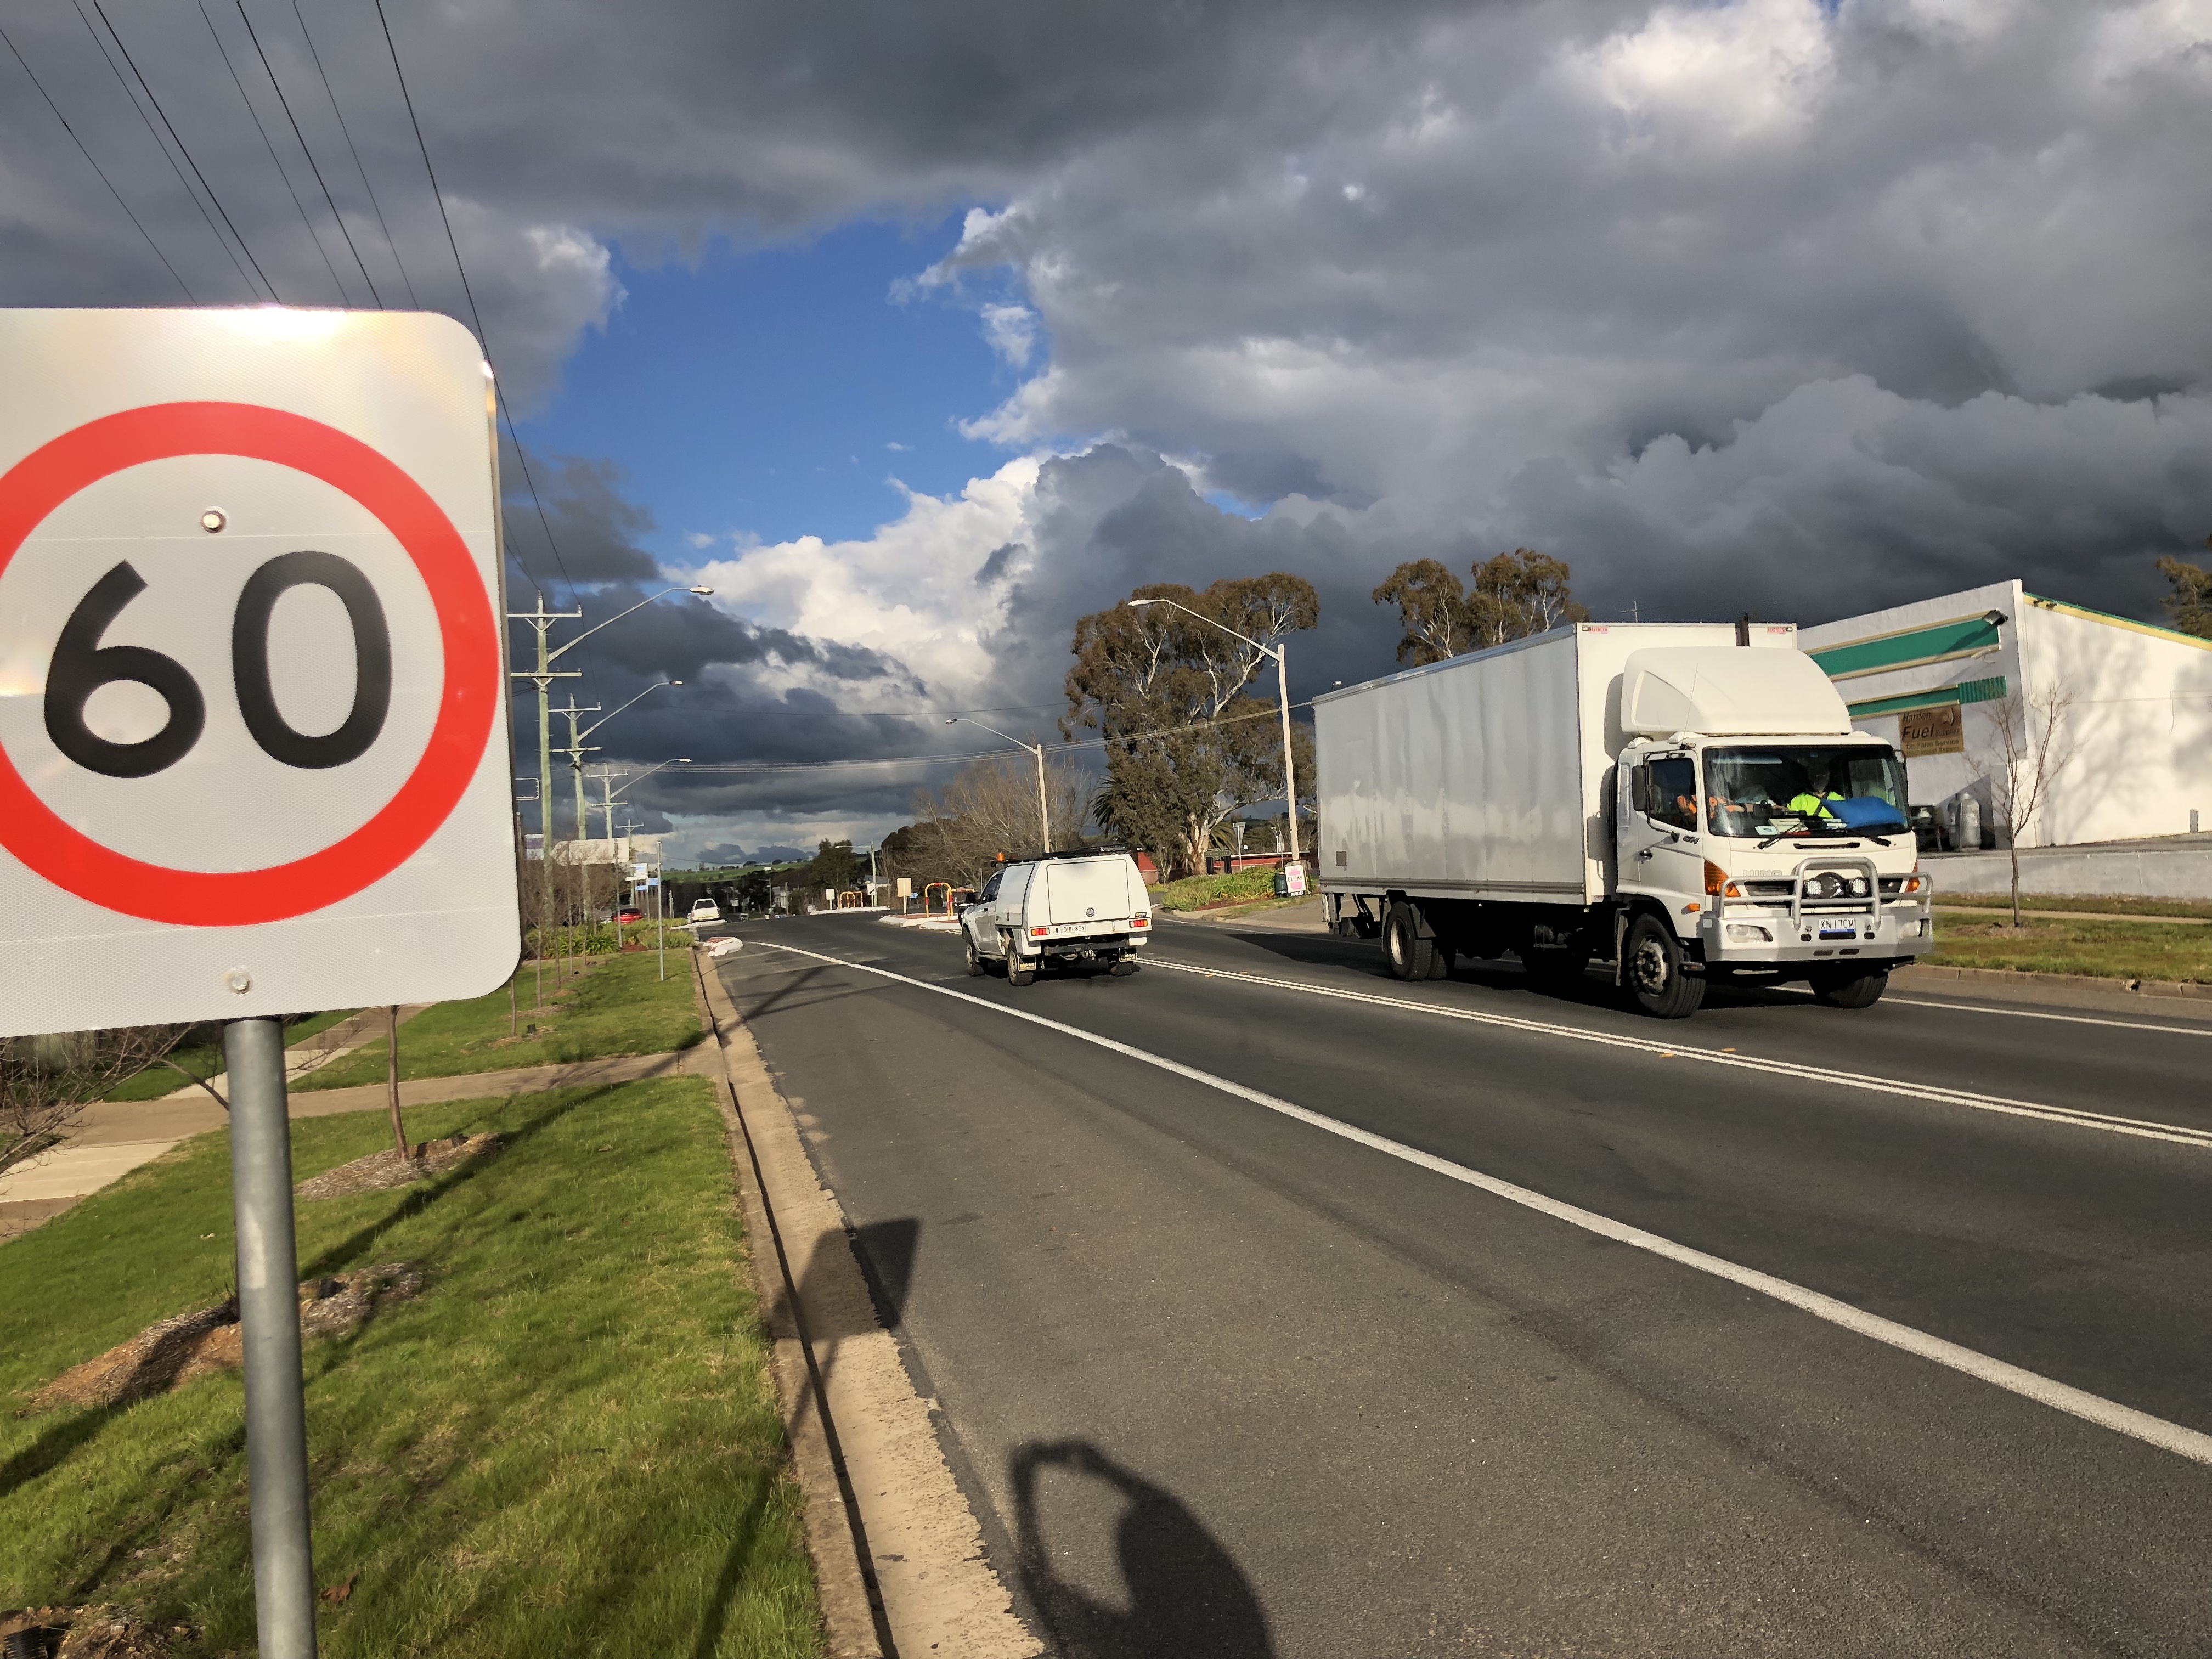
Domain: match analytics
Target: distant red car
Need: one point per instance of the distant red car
(629, 915)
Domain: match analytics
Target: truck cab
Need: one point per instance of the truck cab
(1089, 907)
(1770, 857)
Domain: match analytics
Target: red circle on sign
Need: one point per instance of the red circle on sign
(64, 856)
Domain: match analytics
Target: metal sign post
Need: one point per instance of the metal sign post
(269, 1327)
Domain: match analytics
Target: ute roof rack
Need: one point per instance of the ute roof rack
(1070, 853)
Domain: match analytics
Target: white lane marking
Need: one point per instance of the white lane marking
(2182, 1441)
(2070, 1019)
(2179, 1134)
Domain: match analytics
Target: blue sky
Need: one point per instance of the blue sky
(761, 392)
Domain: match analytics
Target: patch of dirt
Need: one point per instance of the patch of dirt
(381, 1171)
(171, 1352)
(98, 1632)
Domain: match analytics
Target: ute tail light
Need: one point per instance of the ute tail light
(1039, 932)
(1141, 922)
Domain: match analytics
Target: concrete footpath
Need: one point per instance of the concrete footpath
(114, 1137)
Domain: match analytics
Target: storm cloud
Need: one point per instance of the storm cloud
(1797, 307)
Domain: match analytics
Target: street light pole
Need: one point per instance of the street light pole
(540, 619)
(1044, 813)
(1281, 654)
(612, 793)
(578, 748)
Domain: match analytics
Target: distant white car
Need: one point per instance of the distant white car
(705, 910)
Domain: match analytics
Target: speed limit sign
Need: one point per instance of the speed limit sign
(252, 690)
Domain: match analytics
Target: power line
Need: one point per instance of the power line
(97, 168)
(285, 104)
(171, 127)
(359, 166)
(499, 393)
(982, 754)
(138, 109)
(224, 52)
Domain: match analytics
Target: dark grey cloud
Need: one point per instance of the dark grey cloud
(1777, 305)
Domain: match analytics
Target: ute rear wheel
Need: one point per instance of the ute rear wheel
(1018, 972)
(1851, 987)
(1124, 967)
(1410, 956)
(1653, 968)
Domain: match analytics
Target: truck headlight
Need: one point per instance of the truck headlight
(1748, 933)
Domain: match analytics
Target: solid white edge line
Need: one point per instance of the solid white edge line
(2174, 1437)
(2179, 1135)
(2037, 1013)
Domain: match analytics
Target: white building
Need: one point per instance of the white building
(1931, 677)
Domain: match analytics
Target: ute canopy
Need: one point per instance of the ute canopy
(1728, 692)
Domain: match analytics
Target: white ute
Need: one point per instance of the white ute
(1071, 907)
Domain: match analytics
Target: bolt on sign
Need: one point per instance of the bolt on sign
(1939, 731)
(253, 742)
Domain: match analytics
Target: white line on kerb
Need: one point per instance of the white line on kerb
(2059, 1396)
(2179, 1134)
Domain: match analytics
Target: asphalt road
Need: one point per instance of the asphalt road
(1224, 1382)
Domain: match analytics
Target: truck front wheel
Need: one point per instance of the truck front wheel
(1410, 956)
(1850, 988)
(1653, 971)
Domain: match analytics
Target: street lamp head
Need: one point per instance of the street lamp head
(1138, 605)
(671, 682)
(952, 719)
(701, 591)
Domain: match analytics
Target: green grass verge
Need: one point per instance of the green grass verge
(620, 1006)
(202, 1055)
(1196, 891)
(2107, 950)
(568, 1445)
(2102, 904)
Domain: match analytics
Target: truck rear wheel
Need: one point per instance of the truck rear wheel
(1410, 956)
(1653, 971)
(1851, 987)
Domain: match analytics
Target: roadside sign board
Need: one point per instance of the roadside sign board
(254, 737)
(1939, 730)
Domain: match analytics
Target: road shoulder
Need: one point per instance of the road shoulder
(851, 1407)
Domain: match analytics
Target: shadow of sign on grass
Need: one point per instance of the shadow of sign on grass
(1184, 1595)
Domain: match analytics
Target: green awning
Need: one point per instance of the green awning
(1958, 638)
(1988, 690)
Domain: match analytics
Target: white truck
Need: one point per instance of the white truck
(1064, 907)
(1686, 801)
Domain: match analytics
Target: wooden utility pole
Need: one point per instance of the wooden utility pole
(391, 1083)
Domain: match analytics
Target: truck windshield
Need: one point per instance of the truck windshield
(1804, 789)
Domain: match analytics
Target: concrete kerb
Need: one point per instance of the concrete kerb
(898, 1553)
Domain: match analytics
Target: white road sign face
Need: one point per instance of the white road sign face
(253, 743)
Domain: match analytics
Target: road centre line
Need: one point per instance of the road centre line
(2179, 1135)
(2175, 1438)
